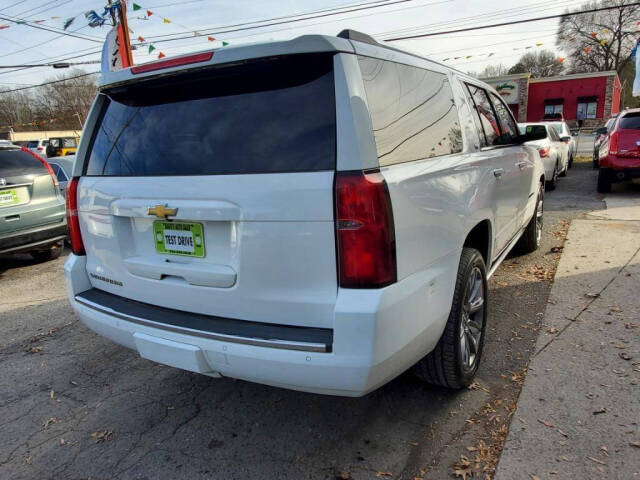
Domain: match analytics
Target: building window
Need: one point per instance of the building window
(553, 107)
(587, 107)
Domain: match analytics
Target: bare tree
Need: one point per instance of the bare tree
(599, 41)
(61, 105)
(543, 63)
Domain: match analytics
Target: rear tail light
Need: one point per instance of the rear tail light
(613, 143)
(567, 140)
(544, 152)
(73, 223)
(40, 149)
(47, 166)
(364, 230)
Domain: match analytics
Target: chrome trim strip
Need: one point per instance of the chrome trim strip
(284, 345)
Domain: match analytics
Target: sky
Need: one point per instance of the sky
(23, 44)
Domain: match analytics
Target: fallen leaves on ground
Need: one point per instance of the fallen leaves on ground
(102, 435)
(383, 474)
(596, 460)
(546, 423)
(462, 468)
(34, 349)
(625, 356)
(635, 444)
(50, 421)
(600, 410)
(592, 295)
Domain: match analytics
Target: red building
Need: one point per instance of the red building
(590, 97)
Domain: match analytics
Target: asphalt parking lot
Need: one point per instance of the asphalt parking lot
(74, 405)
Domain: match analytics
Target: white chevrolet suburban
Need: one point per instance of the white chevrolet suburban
(319, 214)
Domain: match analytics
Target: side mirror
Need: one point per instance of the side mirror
(532, 133)
(565, 139)
(601, 131)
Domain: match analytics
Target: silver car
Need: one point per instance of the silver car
(32, 210)
(62, 167)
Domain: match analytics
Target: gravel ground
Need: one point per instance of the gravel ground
(74, 405)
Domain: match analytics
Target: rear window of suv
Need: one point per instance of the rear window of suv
(267, 116)
(630, 121)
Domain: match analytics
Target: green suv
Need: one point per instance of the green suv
(32, 210)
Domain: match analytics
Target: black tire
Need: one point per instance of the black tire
(551, 184)
(50, 253)
(604, 181)
(532, 235)
(564, 172)
(596, 162)
(571, 161)
(445, 366)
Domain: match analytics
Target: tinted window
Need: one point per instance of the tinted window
(486, 115)
(32, 144)
(558, 128)
(507, 123)
(14, 161)
(553, 135)
(630, 121)
(412, 111)
(476, 118)
(68, 142)
(269, 116)
(59, 172)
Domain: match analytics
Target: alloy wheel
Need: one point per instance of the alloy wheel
(472, 320)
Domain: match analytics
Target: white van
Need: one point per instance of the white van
(318, 214)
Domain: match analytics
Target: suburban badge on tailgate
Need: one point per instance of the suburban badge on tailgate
(161, 211)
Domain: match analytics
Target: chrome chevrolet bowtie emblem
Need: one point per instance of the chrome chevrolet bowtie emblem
(161, 211)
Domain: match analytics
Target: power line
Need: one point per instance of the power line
(513, 22)
(218, 32)
(54, 65)
(51, 82)
(48, 29)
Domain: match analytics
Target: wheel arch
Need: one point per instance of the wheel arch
(479, 237)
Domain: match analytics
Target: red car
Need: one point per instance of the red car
(620, 151)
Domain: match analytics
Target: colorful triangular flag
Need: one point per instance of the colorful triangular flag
(160, 55)
(149, 13)
(224, 44)
(68, 22)
(136, 7)
(2, 27)
(151, 48)
(166, 20)
(211, 39)
(140, 38)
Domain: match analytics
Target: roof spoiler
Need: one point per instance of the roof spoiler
(356, 36)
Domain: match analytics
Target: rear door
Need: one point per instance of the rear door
(212, 192)
(628, 129)
(503, 159)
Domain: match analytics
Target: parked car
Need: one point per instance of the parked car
(61, 147)
(62, 167)
(553, 117)
(619, 155)
(600, 133)
(564, 132)
(552, 151)
(319, 214)
(32, 211)
(38, 146)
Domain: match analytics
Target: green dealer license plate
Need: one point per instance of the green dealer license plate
(8, 197)
(179, 238)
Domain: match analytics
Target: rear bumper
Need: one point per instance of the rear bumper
(377, 335)
(33, 238)
(615, 162)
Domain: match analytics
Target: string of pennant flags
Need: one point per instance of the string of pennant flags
(96, 20)
(491, 54)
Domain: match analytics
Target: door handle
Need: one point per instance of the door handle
(522, 165)
(498, 172)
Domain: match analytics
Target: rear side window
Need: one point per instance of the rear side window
(553, 134)
(32, 144)
(265, 117)
(486, 115)
(413, 112)
(507, 123)
(630, 121)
